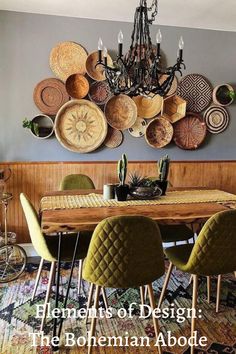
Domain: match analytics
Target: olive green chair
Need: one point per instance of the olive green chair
(47, 246)
(124, 252)
(212, 254)
(71, 182)
(76, 181)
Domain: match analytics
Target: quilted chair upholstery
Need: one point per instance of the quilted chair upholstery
(214, 251)
(125, 252)
(46, 247)
(76, 181)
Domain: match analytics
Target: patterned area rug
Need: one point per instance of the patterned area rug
(17, 315)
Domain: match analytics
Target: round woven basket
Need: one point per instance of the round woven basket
(50, 95)
(114, 138)
(121, 112)
(96, 72)
(80, 126)
(68, 58)
(222, 100)
(99, 92)
(159, 133)
(148, 107)
(77, 86)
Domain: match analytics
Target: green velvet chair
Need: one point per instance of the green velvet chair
(47, 246)
(124, 252)
(71, 182)
(212, 254)
(76, 181)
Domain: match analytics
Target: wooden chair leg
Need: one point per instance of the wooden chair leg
(90, 296)
(37, 279)
(218, 293)
(194, 306)
(235, 274)
(104, 295)
(94, 320)
(155, 320)
(166, 282)
(142, 295)
(208, 289)
(145, 293)
(191, 279)
(50, 281)
(80, 275)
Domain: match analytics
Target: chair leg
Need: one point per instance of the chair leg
(155, 320)
(208, 289)
(166, 282)
(90, 296)
(142, 294)
(93, 324)
(145, 293)
(37, 278)
(235, 274)
(191, 279)
(104, 295)
(51, 276)
(194, 306)
(218, 293)
(80, 275)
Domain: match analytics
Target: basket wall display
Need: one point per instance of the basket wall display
(173, 87)
(121, 112)
(80, 126)
(221, 95)
(190, 132)
(68, 58)
(159, 133)
(139, 128)
(173, 108)
(99, 92)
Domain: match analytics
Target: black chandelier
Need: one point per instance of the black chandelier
(139, 72)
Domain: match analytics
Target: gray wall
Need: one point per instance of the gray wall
(25, 44)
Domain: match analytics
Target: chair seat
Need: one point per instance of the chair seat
(179, 255)
(174, 233)
(68, 245)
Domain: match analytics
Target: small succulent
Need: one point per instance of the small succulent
(232, 95)
(29, 124)
(122, 169)
(136, 180)
(163, 168)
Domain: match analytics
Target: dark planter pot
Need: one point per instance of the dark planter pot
(163, 186)
(122, 192)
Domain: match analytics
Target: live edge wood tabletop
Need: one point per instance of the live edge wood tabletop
(86, 219)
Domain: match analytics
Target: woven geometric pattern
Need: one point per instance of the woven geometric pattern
(217, 119)
(197, 91)
(96, 200)
(125, 251)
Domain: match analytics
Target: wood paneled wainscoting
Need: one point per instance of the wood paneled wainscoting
(35, 178)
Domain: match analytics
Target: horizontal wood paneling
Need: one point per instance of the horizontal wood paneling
(35, 178)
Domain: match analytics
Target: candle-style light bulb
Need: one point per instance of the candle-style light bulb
(181, 43)
(159, 36)
(105, 53)
(120, 37)
(100, 44)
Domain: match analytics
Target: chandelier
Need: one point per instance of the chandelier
(139, 72)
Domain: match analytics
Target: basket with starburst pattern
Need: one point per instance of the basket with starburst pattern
(80, 126)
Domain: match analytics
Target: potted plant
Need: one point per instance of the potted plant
(122, 189)
(41, 126)
(143, 187)
(224, 95)
(163, 169)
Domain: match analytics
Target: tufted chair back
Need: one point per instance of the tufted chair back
(76, 181)
(125, 252)
(36, 235)
(214, 252)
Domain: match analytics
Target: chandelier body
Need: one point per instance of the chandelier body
(139, 71)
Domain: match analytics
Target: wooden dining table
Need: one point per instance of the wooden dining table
(87, 218)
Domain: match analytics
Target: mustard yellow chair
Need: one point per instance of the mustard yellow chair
(213, 254)
(76, 181)
(71, 182)
(124, 252)
(47, 246)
